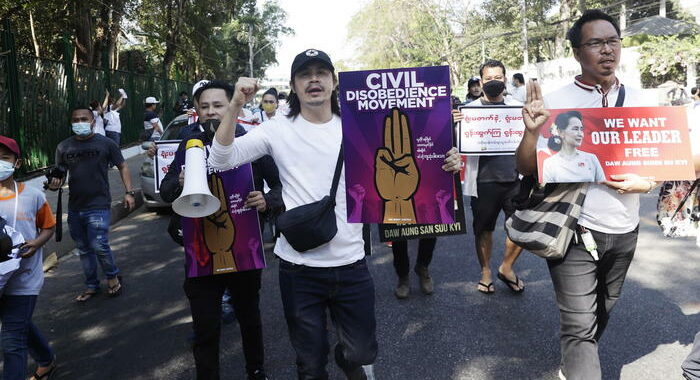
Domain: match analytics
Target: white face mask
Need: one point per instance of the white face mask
(6, 170)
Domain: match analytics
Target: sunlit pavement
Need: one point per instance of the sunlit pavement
(457, 333)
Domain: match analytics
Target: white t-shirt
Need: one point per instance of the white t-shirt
(519, 93)
(582, 167)
(604, 209)
(114, 123)
(99, 123)
(305, 154)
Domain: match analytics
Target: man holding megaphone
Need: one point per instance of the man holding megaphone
(210, 239)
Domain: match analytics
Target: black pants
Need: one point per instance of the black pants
(400, 251)
(347, 292)
(204, 294)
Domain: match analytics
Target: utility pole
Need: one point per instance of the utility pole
(662, 8)
(250, 50)
(623, 16)
(526, 58)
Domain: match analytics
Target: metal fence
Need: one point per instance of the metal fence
(37, 94)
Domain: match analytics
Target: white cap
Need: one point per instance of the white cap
(151, 100)
(198, 85)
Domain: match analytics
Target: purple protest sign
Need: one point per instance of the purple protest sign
(228, 240)
(397, 127)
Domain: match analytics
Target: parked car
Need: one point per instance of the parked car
(152, 199)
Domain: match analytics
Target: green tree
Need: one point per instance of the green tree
(667, 58)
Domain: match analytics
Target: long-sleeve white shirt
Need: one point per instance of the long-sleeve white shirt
(305, 154)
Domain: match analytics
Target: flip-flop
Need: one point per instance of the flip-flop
(512, 285)
(86, 295)
(489, 288)
(48, 374)
(116, 289)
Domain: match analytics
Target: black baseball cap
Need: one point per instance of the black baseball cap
(310, 55)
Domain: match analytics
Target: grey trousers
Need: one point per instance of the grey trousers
(586, 292)
(691, 364)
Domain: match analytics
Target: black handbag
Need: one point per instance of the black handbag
(312, 225)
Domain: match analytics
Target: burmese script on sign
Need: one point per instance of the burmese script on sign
(489, 130)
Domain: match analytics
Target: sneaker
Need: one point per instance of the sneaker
(426, 283)
(561, 375)
(227, 314)
(402, 289)
(369, 371)
(358, 373)
(258, 374)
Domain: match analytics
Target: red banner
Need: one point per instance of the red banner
(591, 144)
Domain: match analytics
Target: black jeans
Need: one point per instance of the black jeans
(400, 251)
(586, 292)
(204, 294)
(347, 292)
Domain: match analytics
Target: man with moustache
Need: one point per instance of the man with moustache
(587, 285)
(205, 293)
(492, 182)
(334, 276)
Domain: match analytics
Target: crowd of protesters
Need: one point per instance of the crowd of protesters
(294, 143)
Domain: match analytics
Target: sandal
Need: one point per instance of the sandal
(489, 288)
(47, 375)
(116, 289)
(86, 295)
(512, 285)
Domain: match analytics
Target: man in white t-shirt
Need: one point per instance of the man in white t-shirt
(587, 288)
(153, 127)
(113, 127)
(331, 277)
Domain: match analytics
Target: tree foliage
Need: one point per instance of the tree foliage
(401, 33)
(185, 39)
(668, 58)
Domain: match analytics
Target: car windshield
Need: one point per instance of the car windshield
(173, 129)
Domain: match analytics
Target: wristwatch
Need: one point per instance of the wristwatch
(131, 192)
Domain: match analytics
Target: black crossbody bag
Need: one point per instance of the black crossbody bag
(312, 225)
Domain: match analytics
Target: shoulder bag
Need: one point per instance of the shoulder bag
(312, 225)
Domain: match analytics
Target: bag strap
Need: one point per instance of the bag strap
(336, 176)
(685, 198)
(620, 96)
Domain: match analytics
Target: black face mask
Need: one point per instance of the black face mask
(494, 88)
(210, 127)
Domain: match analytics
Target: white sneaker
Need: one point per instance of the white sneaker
(561, 375)
(369, 371)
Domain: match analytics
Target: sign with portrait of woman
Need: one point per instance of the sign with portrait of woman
(591, 144)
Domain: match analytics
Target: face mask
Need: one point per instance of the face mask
(268, 107)
(6, 170)
(81, 129)
(494, 88)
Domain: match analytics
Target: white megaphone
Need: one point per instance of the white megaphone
(196, 200)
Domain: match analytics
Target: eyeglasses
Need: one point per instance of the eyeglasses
(598, 44)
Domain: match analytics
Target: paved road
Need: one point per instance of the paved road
(455, 334)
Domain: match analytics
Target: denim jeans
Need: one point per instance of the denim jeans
(89, 229)
(347, 292)
(205, 294)
(19, 336)
(586, 292)
(691, 364)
